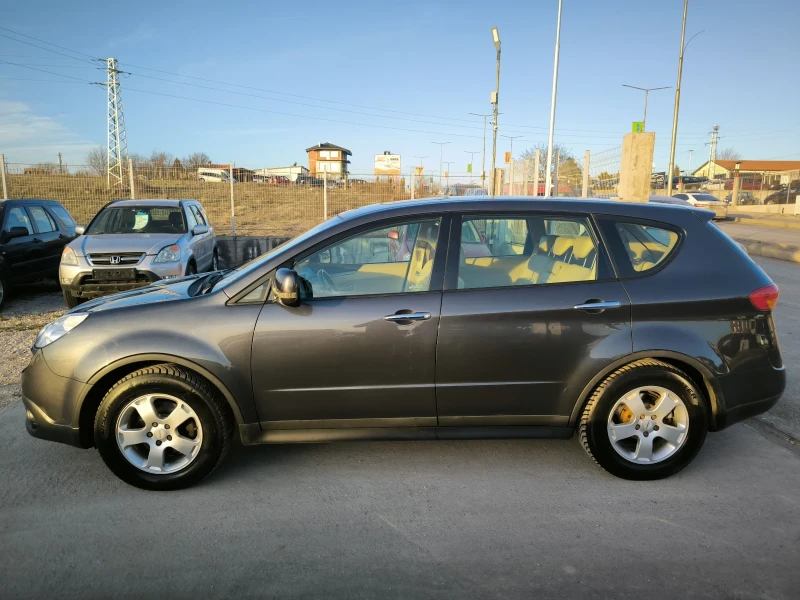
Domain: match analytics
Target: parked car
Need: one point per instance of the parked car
(744, 198)
(33, 234)
(309, 181)
(784, 196)
(716, 184)
(132, 243)
(214, 175)
(746, 183)
(600, 327)
(476, 191)
(707, 201)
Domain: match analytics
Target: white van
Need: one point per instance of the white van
(218, 175)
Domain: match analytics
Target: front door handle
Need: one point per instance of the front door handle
(598, 305)
(410, 316)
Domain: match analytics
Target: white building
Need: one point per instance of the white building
(292, 172)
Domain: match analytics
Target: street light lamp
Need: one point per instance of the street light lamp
(495, 100)
(441, 148)
(646, 92)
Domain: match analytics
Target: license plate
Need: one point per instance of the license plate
(114, 274)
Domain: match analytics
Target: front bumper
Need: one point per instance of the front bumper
(50, 403)
(78, 280)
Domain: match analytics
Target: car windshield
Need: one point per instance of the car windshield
(138, 219)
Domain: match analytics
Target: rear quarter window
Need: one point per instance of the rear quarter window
(639, 248)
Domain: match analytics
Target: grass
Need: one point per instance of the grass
(260, 209)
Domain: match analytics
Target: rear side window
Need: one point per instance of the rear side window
(62, 214)
(639, 248)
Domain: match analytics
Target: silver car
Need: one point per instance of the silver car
(132, 243)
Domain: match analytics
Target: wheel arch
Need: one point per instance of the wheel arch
(700, 375)
(98, 385)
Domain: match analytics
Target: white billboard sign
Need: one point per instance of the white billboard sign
(387, 164)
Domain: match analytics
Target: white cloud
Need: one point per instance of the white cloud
(141, 34)
(26, 137)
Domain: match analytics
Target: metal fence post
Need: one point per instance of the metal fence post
(3, 176)
(526, 166)
(132, 178)
(586, 159)
(325, 196)
(536, 161)
(233, 205)
(413, 183)
(555, 175)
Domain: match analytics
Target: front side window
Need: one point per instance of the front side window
(645, 246)
(44, 223)
(17, 217)
(62, 214)
(198, 215)
(138, 219)
(388, 260)
(525, 251)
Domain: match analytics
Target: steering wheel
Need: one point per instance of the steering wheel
(327, 281)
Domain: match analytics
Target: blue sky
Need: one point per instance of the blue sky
(386, 64)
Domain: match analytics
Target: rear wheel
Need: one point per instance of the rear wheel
(647, 420)
(3, 290)
(163, 428)
(215, 261)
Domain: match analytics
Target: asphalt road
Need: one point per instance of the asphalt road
(471, 519)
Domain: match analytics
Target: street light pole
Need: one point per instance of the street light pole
(483, 154)
(677, 102)
(472, 158)
(441, 149)
(495, 101)
(447, 173)
(511, 168)
(549, 175)
(646, 92)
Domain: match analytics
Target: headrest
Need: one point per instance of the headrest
(544, 243)
(582, 247)
(562, 244)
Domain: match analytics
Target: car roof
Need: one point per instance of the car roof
(510, 203)
(150, 202)
(30, 201)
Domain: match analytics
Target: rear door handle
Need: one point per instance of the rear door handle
(413, 316)
(598, 305)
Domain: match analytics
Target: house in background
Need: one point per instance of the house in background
(328, 158)
(769, 171)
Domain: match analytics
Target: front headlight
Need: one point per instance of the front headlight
(68, 257)
(58, 329)
(169, 254)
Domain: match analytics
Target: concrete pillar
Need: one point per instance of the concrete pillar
(636, 167)
(499, 181)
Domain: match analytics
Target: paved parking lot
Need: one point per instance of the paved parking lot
(493, 519)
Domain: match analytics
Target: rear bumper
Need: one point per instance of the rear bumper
(748, 394)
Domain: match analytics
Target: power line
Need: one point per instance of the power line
(30, 37)
(6, 62)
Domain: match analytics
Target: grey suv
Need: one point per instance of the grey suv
(132, 243)
(638, 326)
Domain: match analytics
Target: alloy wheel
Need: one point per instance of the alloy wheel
(648, 425)
(158, 433)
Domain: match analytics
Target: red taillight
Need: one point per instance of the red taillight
(765, 298)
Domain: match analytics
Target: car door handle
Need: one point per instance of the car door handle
(410, 316)
(597, 305)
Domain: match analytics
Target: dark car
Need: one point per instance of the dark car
(33, 234)
(639, 327)
(310, 181)
(787, 195)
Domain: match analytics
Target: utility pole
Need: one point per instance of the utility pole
(646, 92)
(712, 155)
(472, 156)
(511, 168)
(689, 170)
(447, 173)
(441, 150)
(483, 154)
(60, 165)
(495, 102)
(549, 174)
(117, 136)
(420, 172)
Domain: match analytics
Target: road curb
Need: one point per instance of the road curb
(771, 250)
(775, 223)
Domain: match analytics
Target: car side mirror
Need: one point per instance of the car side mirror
(199, 229)
(80, 230)
(286, 287)
(15, 232)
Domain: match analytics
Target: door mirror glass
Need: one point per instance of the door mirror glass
(199, 229)
(286, 287)
(80, 230)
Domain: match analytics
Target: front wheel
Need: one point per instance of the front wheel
(215, 261)
(647, 420)
(163, 428)
(70, 300)
(3, 290)
(191, 269)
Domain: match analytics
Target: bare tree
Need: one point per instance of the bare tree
(728, 154)
(47, 168)
(159, 164)
(97, 161)
(195, 159)
(564, 155)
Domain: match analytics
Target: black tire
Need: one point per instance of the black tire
(70, 300)
(3, 290)
(215, 261)
(214, 414)
(593, 424)
(191, 268)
